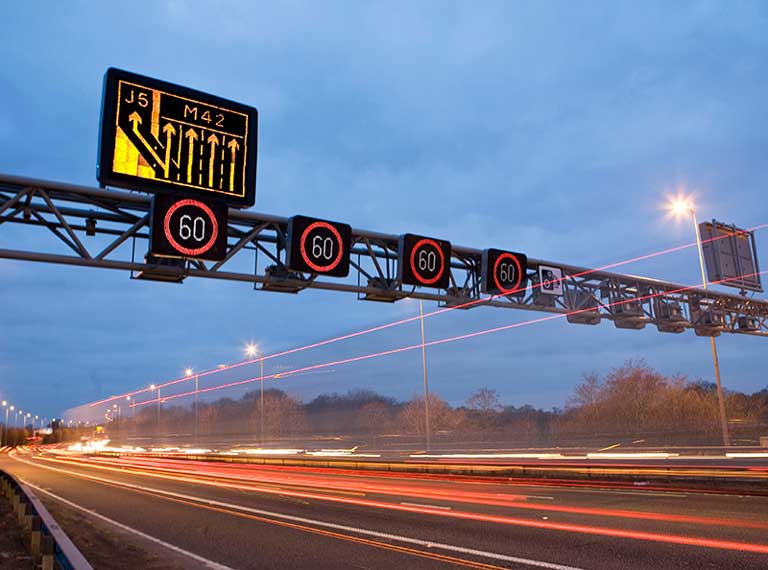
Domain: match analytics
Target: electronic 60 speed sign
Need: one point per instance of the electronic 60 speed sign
(319, 246)
(188, 227)
(504, 272)
(424, 261)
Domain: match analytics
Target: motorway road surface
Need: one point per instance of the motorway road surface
(253, 516)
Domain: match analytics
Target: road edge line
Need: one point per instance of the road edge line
(209, 563)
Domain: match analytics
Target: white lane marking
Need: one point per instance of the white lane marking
(365, 532)
(427, 506)
(540, 497)
(638, 493)
(649, 494)
(208, 563)
(746, 455)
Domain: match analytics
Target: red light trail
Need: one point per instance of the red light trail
(214, 481)
(340, 482)
(431, 343)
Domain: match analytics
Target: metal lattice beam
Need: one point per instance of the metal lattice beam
(71, 213)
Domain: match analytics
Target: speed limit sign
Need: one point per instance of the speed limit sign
(504, 272)
(424, 261)
(188, 227)
(319, 246)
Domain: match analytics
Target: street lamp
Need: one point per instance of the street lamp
(130, 407)
(188, 373)
(116, 408)
(157, 388)
(4, 433)
(680, 207)
(424, 367)
(251, 350)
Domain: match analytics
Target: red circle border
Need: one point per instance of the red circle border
(176, 245)
(504, 290)
(321, 268)
(433, 243)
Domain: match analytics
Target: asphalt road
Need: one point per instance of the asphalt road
(251, 516)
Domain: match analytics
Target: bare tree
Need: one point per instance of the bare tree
(484, 400)
(442, 416)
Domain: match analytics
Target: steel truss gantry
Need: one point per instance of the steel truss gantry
(74, 214)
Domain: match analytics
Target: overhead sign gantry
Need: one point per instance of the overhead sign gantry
(118, 223)
(197, 152)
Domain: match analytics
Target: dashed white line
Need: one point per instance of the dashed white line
(421, 505)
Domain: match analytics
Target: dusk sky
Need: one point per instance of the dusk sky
(552, 128)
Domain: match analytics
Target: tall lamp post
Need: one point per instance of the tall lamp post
(4, 433)
(157, 389)
(116, 408)
(680, 207)
(188, 372)
(11, 408)
(251, 350)
(424, 367)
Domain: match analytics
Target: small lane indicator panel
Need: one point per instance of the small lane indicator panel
(161, 137)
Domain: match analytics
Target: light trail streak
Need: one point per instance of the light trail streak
(477, 479)
(346, 537)
(322, 481)
(438, 342)
(452, 514)
(411, 319)
(235, 508)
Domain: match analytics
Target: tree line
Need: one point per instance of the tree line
(631, 405)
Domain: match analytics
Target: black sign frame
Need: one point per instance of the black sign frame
(300, 256)
(408, 272)
(105, 170)
(164, 242)
(491, 272)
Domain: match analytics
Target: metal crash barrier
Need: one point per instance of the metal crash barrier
(48, 543)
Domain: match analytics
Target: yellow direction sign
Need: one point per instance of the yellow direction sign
(156, 136)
